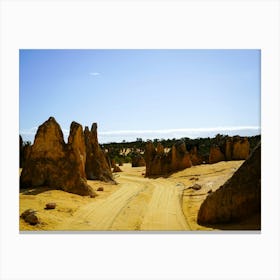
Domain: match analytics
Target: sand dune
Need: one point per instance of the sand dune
(136, 203)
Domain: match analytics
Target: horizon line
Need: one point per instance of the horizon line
(105, 136)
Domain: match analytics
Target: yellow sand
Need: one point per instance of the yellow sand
(135, 203)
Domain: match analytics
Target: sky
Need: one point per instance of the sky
(144, 94)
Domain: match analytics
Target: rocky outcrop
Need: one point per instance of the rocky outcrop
(97, 167)
(137, 161)
(180, 158)
(196, 159)
(238, 198)
(76, 140)
(160, 163)
(228, 148)
(231, 148)
(240, 148)
(216, 155)
(54, 163)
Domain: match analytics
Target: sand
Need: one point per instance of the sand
(135, 203)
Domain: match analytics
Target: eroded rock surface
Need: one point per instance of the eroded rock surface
(231, 148)
(54, 163)
(216, 155)
(240, 148)
(238, 198)
(137, 161)
(96, 167)
(160, 163)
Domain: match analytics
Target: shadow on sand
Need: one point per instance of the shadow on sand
(37, 190)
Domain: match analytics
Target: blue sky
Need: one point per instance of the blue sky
(142, 93)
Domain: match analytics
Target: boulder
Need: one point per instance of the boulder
(30, 217)
(238, 198)
(195, 187)
(27, 212)
(50, 205)
(53, 163)
(96, 167)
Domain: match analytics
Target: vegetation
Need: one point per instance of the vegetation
(124, 151)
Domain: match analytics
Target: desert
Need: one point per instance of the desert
(139, 140)
(135, 203)
(168, 194)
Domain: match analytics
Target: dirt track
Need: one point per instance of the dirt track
(162, 212)
(136, 203)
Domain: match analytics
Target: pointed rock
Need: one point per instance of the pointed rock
(238, 198)
(77, 141)
(97, 167)
(52, 162)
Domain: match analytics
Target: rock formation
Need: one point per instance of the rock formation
(77, 140)
(180, 158)
(228, 148)
(196, 159)
(238, 198)
(137, 161)
(116, 169)
(240, 148)
(160, 163)
(97, 167)
(53, 163)
(231, 148)
(216, 155)
(29, 216)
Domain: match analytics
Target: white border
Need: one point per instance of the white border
(140, 24)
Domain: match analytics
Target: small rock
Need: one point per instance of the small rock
(196, 187)
(100, 189)
(32, 219)
(117, 169)
(210, 191)
(27, 212)
(193, 178)
(51, 205)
